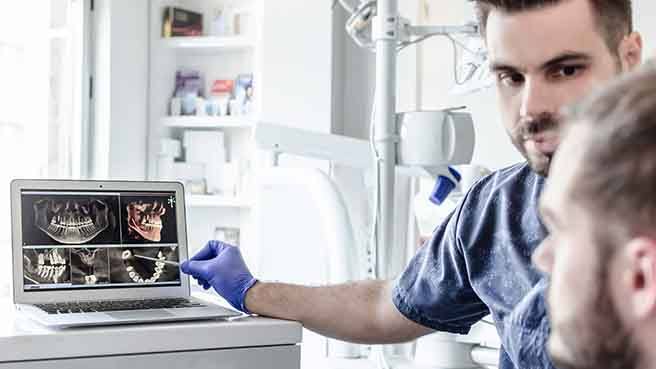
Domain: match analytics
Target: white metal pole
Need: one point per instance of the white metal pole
(386, 36)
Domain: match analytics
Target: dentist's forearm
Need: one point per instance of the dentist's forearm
(360, 312)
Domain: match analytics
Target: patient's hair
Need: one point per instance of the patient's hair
(614, 17)
(617, 180)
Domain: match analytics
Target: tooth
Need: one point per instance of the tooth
(126, 254)
(129, 269)
(156, 275)
(160, 265)
(59, 271)
(160, 255)
(132, 274)
(141, 280)
(42, 259)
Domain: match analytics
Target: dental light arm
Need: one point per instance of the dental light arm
(428, 143)
(337, 149)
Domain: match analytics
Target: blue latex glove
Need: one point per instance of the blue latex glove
(222, 267)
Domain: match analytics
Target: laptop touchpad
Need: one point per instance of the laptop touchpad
(129, 315)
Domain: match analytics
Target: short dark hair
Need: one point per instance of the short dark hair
(618, 175)
(614, 17)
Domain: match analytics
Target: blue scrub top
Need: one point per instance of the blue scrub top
(479, 262)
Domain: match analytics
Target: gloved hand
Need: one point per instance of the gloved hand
(221, 266)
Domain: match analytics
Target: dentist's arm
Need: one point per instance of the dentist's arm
(360, 312)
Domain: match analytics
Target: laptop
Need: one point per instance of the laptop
(88, 253)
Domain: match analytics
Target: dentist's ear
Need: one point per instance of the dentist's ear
(630, 51)
(639, 279)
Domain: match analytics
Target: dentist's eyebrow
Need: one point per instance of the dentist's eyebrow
(498, 67)
(568, 57)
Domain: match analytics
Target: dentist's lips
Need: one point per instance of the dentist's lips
(546, 142)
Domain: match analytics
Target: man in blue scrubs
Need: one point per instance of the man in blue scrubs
(546, 54)
(600, 209)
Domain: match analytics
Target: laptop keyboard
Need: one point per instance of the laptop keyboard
(116, 305)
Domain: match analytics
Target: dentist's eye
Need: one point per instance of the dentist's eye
(510, 79)
(566, 72)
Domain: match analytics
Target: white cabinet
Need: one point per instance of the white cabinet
(289, 50)
(215, 57)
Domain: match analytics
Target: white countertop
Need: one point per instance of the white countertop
(22, 339)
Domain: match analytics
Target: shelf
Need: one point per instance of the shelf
(228, 43)
(215, 201)
(245, 122)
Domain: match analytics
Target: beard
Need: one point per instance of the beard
(594, 338)
(526, 131)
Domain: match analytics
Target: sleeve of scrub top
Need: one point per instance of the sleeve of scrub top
(435, 290)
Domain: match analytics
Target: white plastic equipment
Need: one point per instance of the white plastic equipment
(304, 234)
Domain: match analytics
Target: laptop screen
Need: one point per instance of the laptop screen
(96, 239)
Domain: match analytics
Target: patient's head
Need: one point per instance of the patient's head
(600, 209)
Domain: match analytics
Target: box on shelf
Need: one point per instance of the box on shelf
(181, 22)
(191, 174)
(229, 235)
(207, 148)
(169, 149)
(188, 89)
(243, 94)
(221, 92)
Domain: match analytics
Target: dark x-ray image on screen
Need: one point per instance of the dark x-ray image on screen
(148, 219)
(144, 265)
(89, 266)
(54, 219)
(46, 266)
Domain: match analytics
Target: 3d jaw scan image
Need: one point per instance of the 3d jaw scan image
(149, 219)
(145, 220)
(89, 266)
(69, 220)
(144, 265)
(46, 266)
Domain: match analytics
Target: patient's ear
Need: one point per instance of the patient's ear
(639, 278)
